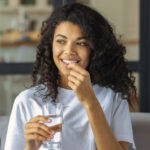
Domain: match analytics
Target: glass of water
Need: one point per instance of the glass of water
(54, 111)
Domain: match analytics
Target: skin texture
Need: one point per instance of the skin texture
(66, 45)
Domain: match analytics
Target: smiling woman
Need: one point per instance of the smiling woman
(80, 64)
(69, 46)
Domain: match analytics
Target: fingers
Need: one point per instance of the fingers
(41, 128)
(74, 80)
(78, 68)
(41, 135)
(40, 118)
(72, 85)
(35, 130)
(37, 126)
(38, 137)
(77, 75)
(56, 128)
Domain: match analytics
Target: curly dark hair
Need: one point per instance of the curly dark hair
(107, 66)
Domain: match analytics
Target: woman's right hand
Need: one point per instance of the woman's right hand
(36, 132)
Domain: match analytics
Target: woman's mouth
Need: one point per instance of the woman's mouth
(67, 62)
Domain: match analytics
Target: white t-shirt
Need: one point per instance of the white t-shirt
(76, 132)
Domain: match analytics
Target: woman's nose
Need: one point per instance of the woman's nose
(69, 49)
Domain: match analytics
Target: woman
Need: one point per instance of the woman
(81, 64)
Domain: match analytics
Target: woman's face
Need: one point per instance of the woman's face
(69, 46)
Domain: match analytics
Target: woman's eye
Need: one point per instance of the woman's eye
(82, 43)
(61, 41)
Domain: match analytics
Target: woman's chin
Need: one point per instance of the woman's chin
(64, 73)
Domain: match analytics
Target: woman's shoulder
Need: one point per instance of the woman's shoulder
(104, 90)
(108, 98)
(30, 94)
(107, 93)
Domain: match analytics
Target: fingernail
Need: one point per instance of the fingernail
(49, 120)
(48, 138)
(53, 134)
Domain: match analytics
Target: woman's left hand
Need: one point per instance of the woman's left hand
(80, 82)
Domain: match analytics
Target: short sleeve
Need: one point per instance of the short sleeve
(121, 123)
(15, 133)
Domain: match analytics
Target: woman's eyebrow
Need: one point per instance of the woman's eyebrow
(82, 37)
(79, 38)
(63, 36)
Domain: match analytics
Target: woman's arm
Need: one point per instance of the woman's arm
(79, 81)
(124, 145)
(103, 135)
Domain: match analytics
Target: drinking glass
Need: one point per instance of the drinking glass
(54, 111)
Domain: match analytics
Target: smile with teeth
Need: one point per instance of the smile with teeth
(70, 61)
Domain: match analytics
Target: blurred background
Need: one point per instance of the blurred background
(20, 22)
